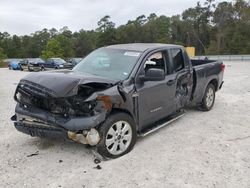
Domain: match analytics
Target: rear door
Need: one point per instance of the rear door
(46, 63)
(155, 99)
(183, 74)
(49, 64)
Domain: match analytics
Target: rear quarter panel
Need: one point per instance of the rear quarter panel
(204, 74)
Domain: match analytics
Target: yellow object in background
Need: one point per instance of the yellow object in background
(190, 51)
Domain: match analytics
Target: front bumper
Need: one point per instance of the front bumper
(34, 68)
(24, 67)
(40, 131)
(38, 123)
(64, 67)
(68, 123)
(35, 129)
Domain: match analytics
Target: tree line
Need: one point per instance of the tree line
(222, 28)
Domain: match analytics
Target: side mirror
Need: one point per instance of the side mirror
(153, 74)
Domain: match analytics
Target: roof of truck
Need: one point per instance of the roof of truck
(142, 46)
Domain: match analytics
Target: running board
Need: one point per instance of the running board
(155, 128)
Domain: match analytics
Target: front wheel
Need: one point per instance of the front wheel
(42, 68)
(208, 98)
(118, 135)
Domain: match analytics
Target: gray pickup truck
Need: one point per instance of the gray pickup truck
(116, 94)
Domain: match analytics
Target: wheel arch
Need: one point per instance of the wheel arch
(120, 110)
(214, 82)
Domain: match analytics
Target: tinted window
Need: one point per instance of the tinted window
(178, 61)
(49, 61)
(59, 61)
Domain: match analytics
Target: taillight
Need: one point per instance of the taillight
(222, 67)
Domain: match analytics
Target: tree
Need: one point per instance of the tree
(66, 42)
(230, 34)
(85, 42)
(2, 55)
(107, 32)
(221, 28)
(53, 49)
(222, 20)
(197, 21)
(157, 29)
(105, 24)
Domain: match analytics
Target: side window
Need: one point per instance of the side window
(156, 60)
(178, 61)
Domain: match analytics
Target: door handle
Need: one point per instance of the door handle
(170, 82)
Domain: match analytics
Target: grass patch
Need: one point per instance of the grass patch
(2, 64)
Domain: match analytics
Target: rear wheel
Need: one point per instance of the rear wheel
(118, 135)
(42, 68)
(208, 98)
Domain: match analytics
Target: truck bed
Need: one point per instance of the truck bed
(197, 62)
(204, 72)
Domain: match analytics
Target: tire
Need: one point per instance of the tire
(114, 143)
(42, 68)
(208, 98)
(21, 68)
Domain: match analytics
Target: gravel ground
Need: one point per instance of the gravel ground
(202, 149)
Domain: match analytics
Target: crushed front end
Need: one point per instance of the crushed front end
(41, 112)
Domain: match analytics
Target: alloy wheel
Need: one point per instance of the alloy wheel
(118, 137)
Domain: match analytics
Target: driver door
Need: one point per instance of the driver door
(155, 98)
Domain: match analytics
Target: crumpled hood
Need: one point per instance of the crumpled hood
(64, 83)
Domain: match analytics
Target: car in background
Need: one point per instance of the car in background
(74, 61)
(14, 65)
(31, 64)
(56, 63)
(24, 64)
(36, 64)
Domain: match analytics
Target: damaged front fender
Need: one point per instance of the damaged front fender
(72, 113)
(77, 111)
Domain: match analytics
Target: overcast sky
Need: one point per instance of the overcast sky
(27, 16)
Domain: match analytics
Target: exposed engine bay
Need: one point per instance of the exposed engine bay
(76, 105)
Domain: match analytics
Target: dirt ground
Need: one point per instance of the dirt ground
(202, 149)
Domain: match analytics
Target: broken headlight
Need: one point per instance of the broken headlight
(81, 106)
